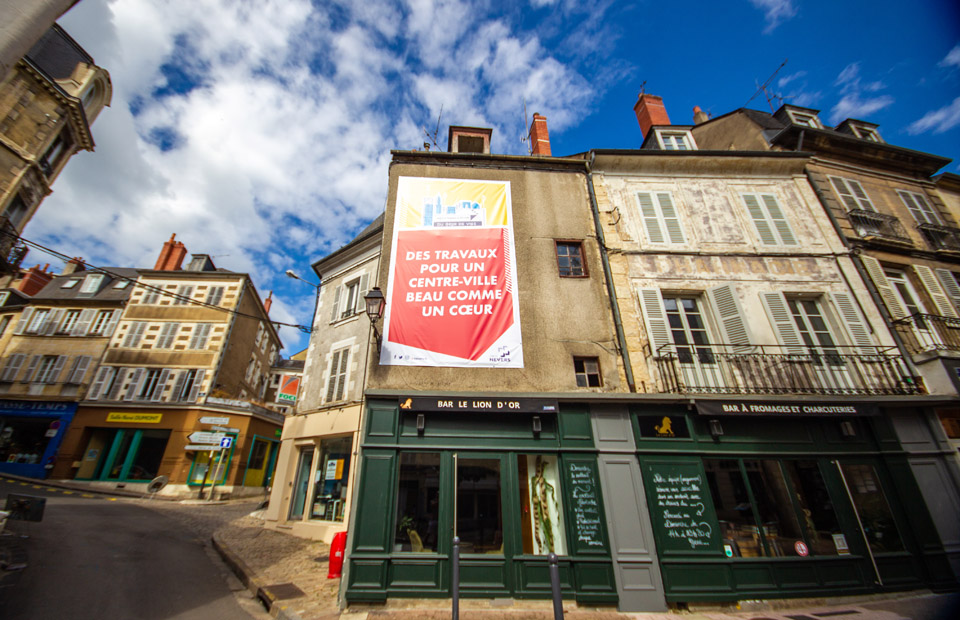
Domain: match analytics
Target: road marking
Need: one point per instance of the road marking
(36, 486)
(87, 495)
(52, 489)
(111, 499)
(23, 484)
(68, 492)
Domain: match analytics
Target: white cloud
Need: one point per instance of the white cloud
(790, 78)
(952, 59)
(854, 104)
(939, 121)
(775, 12)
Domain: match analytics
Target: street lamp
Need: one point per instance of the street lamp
(375, 304)
(316, 302)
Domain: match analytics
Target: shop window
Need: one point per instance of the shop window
(418, 502)
(541, 513)
(479, 511)
(570, 260)
(818, 517)
(771, 492)
(301, 483)
(587, 371)
(330, 480)
(214, 471)
(150, 449)
(23, 440)
(872, 507)
(738, 525)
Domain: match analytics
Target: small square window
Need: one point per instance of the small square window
(122, 284)
(587, 370)
(69, 284)
(570, 259)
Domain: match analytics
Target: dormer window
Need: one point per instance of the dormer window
(805, 119)
(676, 140)
(866, 133)
(91, 284)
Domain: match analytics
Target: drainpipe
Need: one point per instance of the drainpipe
(867, 280)
(608, 276)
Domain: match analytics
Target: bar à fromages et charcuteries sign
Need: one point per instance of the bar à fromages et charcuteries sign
(772, 408)
(452, 293)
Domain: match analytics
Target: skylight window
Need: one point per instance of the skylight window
(69, 284)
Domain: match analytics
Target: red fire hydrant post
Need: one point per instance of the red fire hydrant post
(337, 547)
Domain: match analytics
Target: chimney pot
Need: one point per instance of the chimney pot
(650, 111)
(267, 303)
(699, 116)
(539, 137)
(171, 255)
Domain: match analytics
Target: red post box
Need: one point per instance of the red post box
(337, 548)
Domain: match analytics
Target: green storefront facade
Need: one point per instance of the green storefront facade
(523, 479)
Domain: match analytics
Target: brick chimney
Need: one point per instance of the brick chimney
(171, 256)
(539, 138)
(650, 112)
(72, 266)
(699, 116)
(268, 302)
(34, 280)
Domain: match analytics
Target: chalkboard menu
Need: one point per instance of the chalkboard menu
(589, 533)
(680, 504)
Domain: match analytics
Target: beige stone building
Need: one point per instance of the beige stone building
(48, 102)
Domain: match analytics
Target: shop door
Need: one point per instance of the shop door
(486, 556)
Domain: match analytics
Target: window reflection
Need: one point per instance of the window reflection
(479, 520)
(878, 524)
(418, 502)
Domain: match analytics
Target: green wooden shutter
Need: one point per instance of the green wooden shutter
(884, 287)
(786, 330)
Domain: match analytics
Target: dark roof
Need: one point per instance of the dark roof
(375, 227)
(289, 365)
(57, 54)
(15, 298)
(107, 292)
(764, 119)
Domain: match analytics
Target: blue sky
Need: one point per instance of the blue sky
(260, 131)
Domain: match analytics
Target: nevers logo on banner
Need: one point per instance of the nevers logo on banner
(452, 295)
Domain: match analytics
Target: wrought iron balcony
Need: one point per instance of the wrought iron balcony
(12, 249)
(878, 226)
(941, 238)
(928, 332)
(775, 369)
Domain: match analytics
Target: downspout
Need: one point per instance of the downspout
(608, 276)
(867, 280)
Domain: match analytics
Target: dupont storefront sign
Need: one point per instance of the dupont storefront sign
(452, 294)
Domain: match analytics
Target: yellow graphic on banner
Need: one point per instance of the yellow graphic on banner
(134, 418)
(447, 203)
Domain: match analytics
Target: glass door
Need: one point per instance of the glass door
(925, 333)
(698, 363)
(829, 367)
(479, 505)
(301, 483)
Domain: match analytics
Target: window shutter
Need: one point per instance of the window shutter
(651, 222)
(57, 369)
(161, 383)
(195, 388)
(759, 220)
(950, 286)
(32, 368)
(858, 330)
(936, 292)
(845, 194)
(134, 334)
(25, 317)
(102, 379)
(12, 369)
(731, 317)
(671, 220)
(167, 335)
(862, 199)
(884, 287)
(118, 378)
(50, 325)
(214, 295)
(178, 385)
(779, 219)
(201, 331)
(342, 378)
(336, 304)
(361, 303)
(112, 323)
(776, 306)
(79, 370)
(655, 316)
(921, 211)
(82, 325)
(332, 379)
(135, 379)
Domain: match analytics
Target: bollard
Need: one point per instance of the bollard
(455, 585)
(555, 587)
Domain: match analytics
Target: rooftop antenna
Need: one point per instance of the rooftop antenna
(436, 132)
(525, 137)
(643, 87)
(763, 89)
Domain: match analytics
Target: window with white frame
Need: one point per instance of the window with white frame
(919, 207)
(348, 298)
(38, 319)
(676, 140)
(69, 322)
(91, 284)
(70, 283)
(100, 322)
(866, 133)
(49, 369)
(152, 384)
(805, 119)
(661, 221)
(852, 194)
(769, 219)
(337, 379)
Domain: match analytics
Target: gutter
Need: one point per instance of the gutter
(608, 276)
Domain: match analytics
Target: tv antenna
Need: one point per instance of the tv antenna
(436, 132)
(763, 89)
(525, 137)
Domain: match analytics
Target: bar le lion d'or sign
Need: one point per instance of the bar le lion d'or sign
(473, 404)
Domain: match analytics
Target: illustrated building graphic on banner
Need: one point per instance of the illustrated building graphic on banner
(452, 294)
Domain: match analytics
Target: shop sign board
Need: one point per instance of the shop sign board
(204, 447)
(205, 437)
(134, 418)
(36, 408)
(680, 506)
(773, 408)
(289, 388)
(210, 419)
(471, 404)
(225, 429)
(452, 292)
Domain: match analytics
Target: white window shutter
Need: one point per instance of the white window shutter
(178, 385)
(361, 303)
(57, 369)
(733, 326)
(342, 379)
(32, 368)
(12, 369)
(759, 219)
(786, 330)
(79, 370)
(671, 220)
(655, 317)
(112, 323)
(195, 388)
(858, 330)
(336, 305)
(651, 223)
(884, 287)
(118, 379)
(82, 325)
(25, 317)
(332, 378)
(50, 325)
(840, 185)
(950, 286)
(936, 292)
(779, 220)
(135, 381)
(102, 379)
(161, 383)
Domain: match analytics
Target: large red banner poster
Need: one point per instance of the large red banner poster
(451, 297)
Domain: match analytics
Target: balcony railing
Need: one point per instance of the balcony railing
(12, 249)
(928, 332)
(775, 369)
(873, 225)
(942, 238)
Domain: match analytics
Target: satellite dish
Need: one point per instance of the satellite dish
(157, 483)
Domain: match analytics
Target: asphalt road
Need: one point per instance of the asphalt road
(95, 557)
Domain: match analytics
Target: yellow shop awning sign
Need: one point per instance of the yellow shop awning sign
(134, 418)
